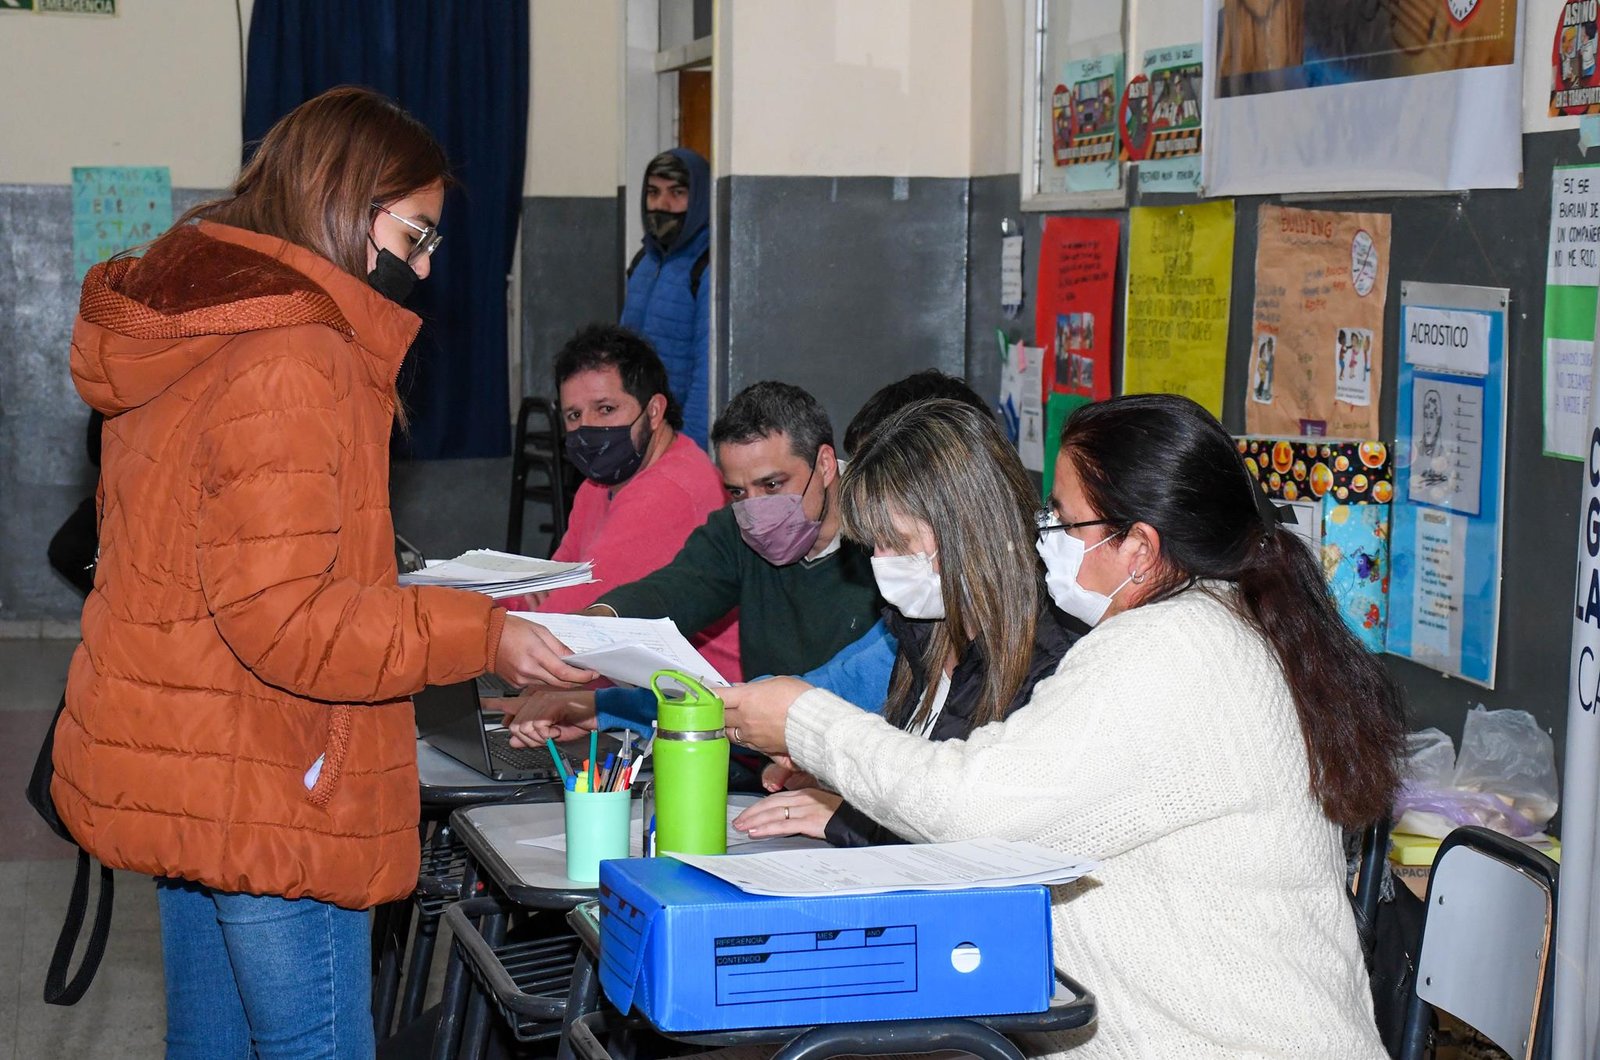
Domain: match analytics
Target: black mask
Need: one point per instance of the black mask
(664, 225)
(392, 278)
(606, 456)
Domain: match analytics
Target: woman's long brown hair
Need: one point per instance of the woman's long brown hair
(945, 464)
(314, 176)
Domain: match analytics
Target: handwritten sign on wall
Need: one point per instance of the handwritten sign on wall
(1180, 267)
(114, 208)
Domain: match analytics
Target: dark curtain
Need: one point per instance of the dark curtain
(460, 66)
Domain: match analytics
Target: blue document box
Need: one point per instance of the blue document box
(694, 953)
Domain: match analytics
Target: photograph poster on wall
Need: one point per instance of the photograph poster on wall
(1398, 95)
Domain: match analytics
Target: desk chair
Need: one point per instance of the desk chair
(1374, 852)
(537, 450)
(1486, 944)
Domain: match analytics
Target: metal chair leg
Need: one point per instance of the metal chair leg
(475, 1032)
(391, 926)
(453, 1004)
(583, 997)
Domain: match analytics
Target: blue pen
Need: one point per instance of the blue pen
(572, 782)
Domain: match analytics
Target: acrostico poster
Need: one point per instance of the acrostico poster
(1391, 95)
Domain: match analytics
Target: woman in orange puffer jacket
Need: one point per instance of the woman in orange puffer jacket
(238, 720)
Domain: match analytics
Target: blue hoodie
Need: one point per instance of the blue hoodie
(660, 307)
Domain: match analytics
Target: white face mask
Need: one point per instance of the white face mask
(1063, 559)
(910, 584)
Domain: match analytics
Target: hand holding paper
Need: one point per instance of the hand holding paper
(626, 650)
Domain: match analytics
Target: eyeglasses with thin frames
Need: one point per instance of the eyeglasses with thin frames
(1047, 523)
(428, 236)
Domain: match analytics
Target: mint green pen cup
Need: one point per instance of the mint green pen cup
(597, 830)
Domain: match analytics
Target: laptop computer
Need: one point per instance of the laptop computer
(450, 717)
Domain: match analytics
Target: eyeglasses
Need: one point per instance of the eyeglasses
(1046, 520)
(427, 240)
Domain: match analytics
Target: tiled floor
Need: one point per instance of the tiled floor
(122, 1015)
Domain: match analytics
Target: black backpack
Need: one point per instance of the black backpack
(57, 990)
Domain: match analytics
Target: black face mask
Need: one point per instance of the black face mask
(392, 278)
(664, 225)
(606, 456)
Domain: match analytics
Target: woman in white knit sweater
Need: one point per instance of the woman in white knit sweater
(1205, 742)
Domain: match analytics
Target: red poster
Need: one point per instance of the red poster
(1077, 294)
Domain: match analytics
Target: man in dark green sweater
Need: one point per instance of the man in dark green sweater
(803, 592)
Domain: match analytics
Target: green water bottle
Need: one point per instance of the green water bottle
(691, 768)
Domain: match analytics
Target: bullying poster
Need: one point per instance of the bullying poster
(1316, 341)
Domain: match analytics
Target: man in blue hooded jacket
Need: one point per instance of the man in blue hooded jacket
(669, 298)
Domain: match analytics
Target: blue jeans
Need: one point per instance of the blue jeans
(266, 977)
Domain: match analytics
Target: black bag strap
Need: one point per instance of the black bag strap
(57, 990)
(634, 264)
(697, 270)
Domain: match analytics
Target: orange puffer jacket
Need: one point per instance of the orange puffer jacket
(245, 619)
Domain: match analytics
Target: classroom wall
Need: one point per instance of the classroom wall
(853, 140)
(572, 208)
(158, 84)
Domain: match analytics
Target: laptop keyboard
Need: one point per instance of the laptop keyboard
(532, 759)
(496, 687)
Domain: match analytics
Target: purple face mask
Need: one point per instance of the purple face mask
(776, 527)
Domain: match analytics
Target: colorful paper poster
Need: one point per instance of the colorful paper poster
(115, 208)
(1160, 120)
(1445, 541)
(1316, 348)
(1399, 95)
(1057, 408)
(1347, 472)
(1574, 78)
(1572, 273)
(1180, 273)
(1355, 560)
(1083, 123)
(1073, 311)
(1022, 402)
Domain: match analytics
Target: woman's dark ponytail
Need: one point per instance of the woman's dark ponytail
(1163, 460)
(1347, 702)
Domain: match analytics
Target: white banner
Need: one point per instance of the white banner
(1318, 97)
(1577, 987)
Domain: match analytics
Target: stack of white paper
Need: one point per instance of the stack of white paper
(879, 870)
(627, 650)
(500, 573)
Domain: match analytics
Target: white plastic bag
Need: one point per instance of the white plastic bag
(1504, 778)
(1505, 753)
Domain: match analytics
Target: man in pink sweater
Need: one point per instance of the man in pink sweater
(646, 486)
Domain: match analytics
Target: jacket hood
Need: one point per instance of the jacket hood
(699, 212)
(144, 323)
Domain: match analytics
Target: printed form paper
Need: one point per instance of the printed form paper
(626, 650)
(880, 870)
